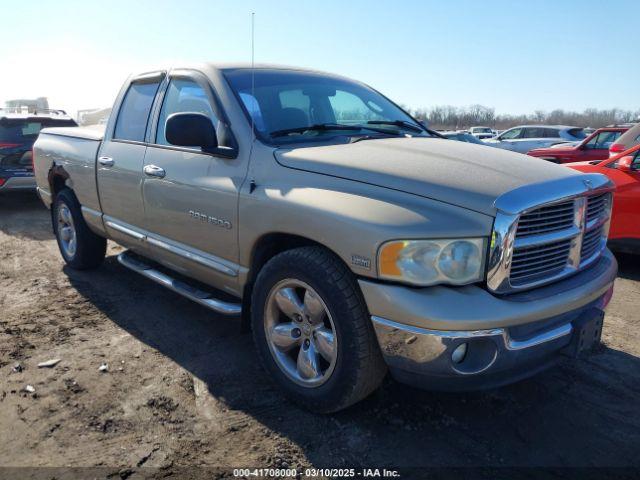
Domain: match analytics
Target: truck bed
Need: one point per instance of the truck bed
(95, 133)
(74, 151)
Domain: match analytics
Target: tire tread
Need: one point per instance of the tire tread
(370, 367)
(91, 248)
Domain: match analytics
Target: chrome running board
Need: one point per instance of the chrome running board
(206, 299)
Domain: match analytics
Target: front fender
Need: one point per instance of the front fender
(350, 218)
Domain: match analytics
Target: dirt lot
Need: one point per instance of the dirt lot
(183, 388)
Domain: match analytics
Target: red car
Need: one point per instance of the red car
(594, 147)
(624, 171)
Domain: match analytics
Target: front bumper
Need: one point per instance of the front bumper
(507, 338)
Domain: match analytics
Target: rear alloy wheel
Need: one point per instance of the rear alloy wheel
(80, 247)
(67, 231)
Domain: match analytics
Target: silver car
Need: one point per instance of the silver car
(527, 137)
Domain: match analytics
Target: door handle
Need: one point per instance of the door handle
(106, 161)
(154, 171)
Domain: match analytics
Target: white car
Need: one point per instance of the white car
(527, 137)
(481, 132)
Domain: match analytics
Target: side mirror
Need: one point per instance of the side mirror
(191, 130)
(624, 164)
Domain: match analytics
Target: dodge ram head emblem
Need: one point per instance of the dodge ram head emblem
(588, 184)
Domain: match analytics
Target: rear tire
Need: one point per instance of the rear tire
(80, 247)
(328, 321)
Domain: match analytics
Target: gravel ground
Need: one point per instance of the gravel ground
(183, 388)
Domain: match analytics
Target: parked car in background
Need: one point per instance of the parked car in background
(624, 171)
(18, 131)
(481, 132)
(594, 147)
(351, 239)
(462, 137)
(629, 139)
(527, 137)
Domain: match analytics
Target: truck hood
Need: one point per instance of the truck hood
(463, 174)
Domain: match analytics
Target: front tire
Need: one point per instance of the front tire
(80, 247)
(313, 332)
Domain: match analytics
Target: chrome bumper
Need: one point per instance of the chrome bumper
(424, 356)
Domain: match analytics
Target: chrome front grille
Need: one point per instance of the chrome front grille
(531, 263)
(592, 243)
(546, 219)
(539, 244)
(596, 206)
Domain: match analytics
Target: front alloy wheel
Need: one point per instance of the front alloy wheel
(312, 330)
(300, 333)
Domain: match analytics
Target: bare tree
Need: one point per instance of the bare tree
(450, 117)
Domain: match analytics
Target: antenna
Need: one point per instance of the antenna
(253, 75)
(252, 138)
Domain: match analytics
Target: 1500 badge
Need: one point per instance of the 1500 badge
(203, 217)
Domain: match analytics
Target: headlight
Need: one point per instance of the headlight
(428, 262)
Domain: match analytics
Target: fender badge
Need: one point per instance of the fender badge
(360, 261)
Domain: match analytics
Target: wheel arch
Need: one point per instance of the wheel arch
(57, 178)
(265, 248)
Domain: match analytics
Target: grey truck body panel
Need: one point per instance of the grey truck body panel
(209, 212)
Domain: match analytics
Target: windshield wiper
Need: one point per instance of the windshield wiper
(330, 126)
(398, 123)
(316, 127)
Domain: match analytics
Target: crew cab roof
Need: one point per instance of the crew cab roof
(229, 66)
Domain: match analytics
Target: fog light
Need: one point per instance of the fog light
(459, 353)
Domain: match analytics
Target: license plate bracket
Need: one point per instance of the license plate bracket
(587, 333)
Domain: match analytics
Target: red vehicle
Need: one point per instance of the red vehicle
(624, 171)
(594, 147)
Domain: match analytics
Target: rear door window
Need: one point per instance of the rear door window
(550, 133)
(134, 111)
(533, 132)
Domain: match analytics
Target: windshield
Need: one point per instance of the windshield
(282, 103)
(17, 136)
(481, 130)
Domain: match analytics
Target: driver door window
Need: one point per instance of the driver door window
(511, 134)
(603, 140)
(183, 96)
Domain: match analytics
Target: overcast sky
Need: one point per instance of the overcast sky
(516, 56)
